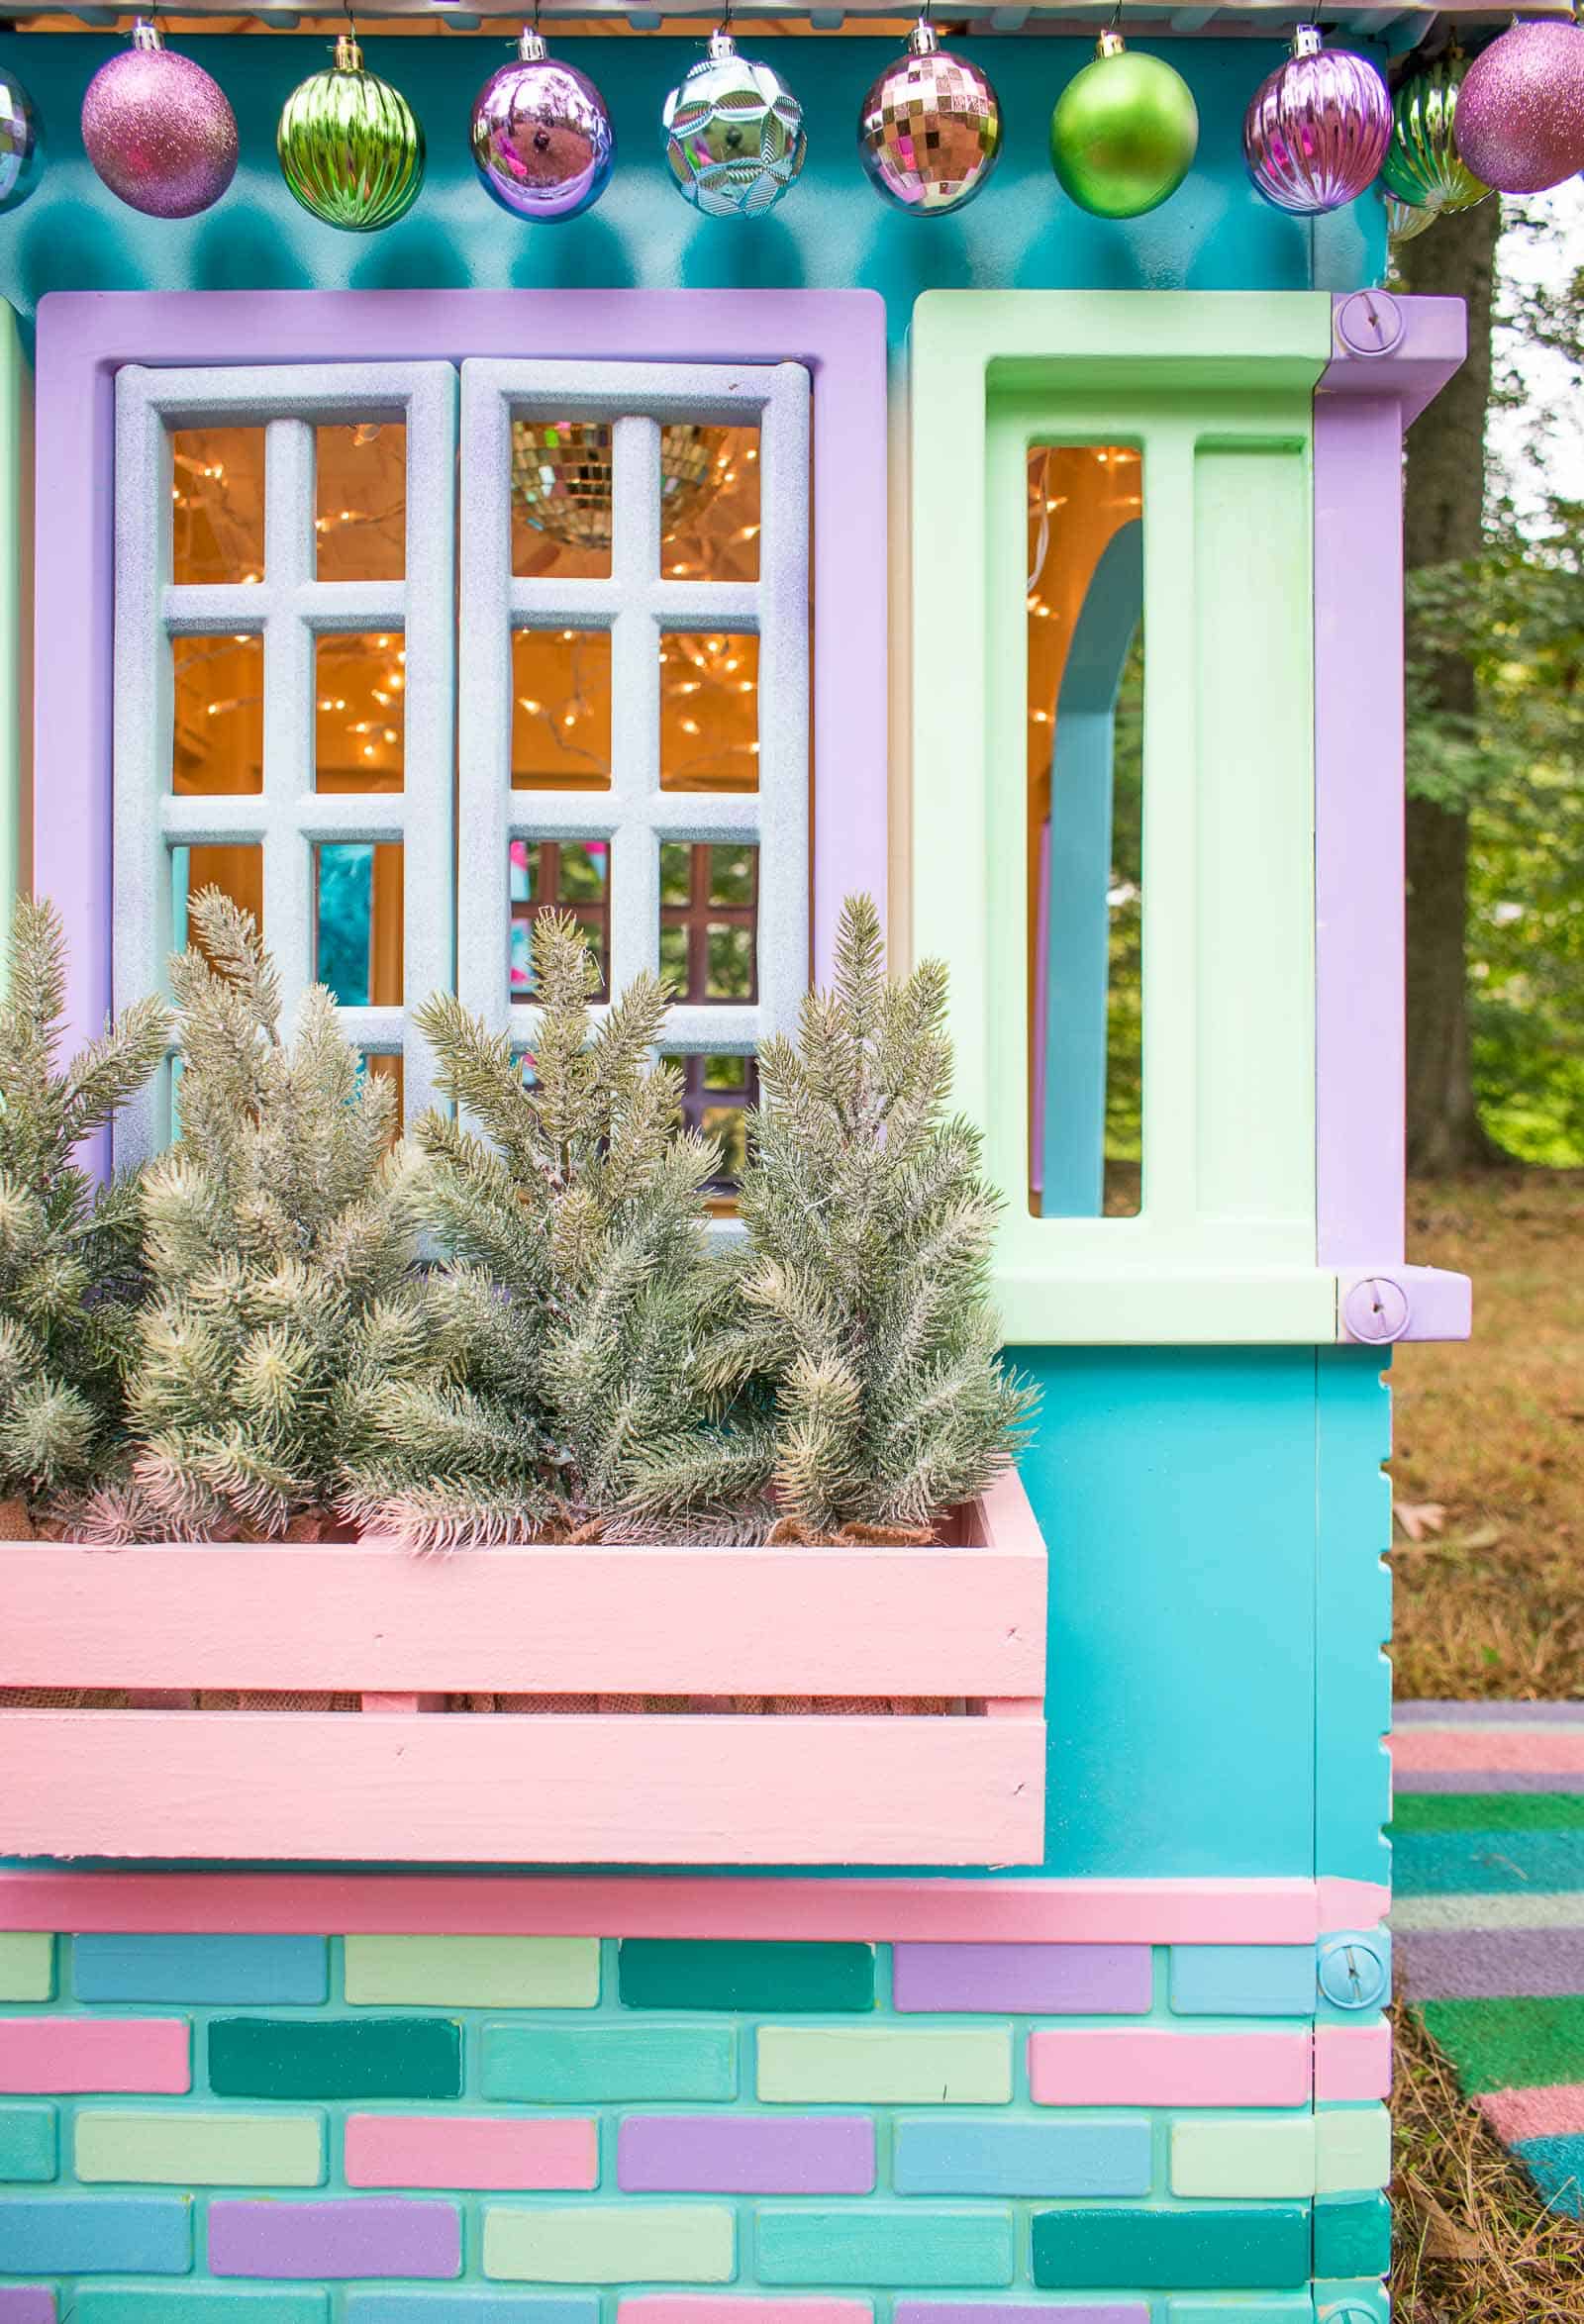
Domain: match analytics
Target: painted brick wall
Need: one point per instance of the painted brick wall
(563, 2130)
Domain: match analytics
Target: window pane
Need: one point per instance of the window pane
(361, 501)
(709, 711)
(238, 872)
(358, 950)
(717, 1092)
(1085, 657)
(562, 499)
(359, 693)
(217, 493)
(561, 709)
(570, 876)
(218, 726)
(710, 503)
(710, 920)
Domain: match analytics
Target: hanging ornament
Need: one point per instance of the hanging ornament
(543, 141)
(1422, 165)
(158, 129)
(1125, 131)
(1405, 222)
(562, 478)
(1316, 130)
(350, 149)
(734, 133)
(21, 142)
(930, 129)
(1520, 110)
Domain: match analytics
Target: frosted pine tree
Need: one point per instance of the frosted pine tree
(280, 1239)
(576, 1282)
(70, 1270)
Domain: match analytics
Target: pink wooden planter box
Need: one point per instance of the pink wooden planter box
(402, 1783)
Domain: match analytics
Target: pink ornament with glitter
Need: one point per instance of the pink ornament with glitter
(159, 129)
(1520, 122)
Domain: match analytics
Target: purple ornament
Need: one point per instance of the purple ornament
(1519, 120)
(543, 141)
(1316, 132)
(159, 130)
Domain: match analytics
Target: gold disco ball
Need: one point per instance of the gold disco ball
(561, 478)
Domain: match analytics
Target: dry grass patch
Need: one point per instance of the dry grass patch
(1490, 1449)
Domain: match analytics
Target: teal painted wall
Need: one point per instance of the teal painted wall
(1215, 234)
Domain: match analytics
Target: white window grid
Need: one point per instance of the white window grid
(635, 603)
(291, 608)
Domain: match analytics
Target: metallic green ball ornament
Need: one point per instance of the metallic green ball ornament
(1405, 222)
(1422, 165)
(349, 146)
(1125, 131)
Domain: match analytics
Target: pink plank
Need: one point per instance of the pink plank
(1496, 1750)
(1352, 1904)
(672, 2308)
(1151, 2066)
(1352, 2061)
(1187, 1912)
(470, 2151)
(513, 1789)
(953, 1621)
(1555, 2112)
(64, 2054)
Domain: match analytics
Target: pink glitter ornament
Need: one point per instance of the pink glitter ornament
(159, 130)
(1520, 122)
(1316, 132)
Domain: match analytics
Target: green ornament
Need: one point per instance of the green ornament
(1125, 131)
(1404, 221)
(1422, 165)
(349, 146)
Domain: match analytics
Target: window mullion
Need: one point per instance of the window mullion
(633, 875)
(288, 860)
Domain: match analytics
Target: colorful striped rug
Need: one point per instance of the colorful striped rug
(1488, 1918)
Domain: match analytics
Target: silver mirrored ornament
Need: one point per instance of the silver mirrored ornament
(542, 137)
(734, 133)
(21, 142)
(930, 129)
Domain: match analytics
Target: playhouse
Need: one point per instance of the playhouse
(1038, 571)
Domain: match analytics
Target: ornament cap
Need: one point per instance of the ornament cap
(349, 54)
(722, 46)
(1110, 42)
(146, 35)
(530, 45)
(1308, 41)
(923, 40)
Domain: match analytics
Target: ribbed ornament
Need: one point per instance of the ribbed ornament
(1423, 165)
(1316, 130)
(1403, 223)
(351, 148)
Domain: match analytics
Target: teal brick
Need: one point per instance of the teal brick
(674, 1972)
(335, 2058)
(469, 2307)
(879, 2245)
(96, 2235)
(28, 2142)
(1353, 2235)
(1255, 2248)
(194, 1970)
(142, 2303)
(1243, 1981)
(1352, 2303)
(561, 2066)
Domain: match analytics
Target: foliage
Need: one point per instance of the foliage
(69, 1267)
(862, 1294)
(279, 1236)
(577, 1280)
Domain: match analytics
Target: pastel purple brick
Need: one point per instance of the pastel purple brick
(747, 2155)
(353, 2238)
(1055, 1979)
(26, 2303)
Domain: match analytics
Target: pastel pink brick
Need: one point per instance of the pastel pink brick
(1504, 1750)
(67, 2053)
(665, 2307)
(1153, 2066)
(470, 2151)
(1554, 2112)
(1352, 2061)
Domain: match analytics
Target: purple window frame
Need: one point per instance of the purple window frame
(83, 338)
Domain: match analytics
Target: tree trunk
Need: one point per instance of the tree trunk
(1445, 525)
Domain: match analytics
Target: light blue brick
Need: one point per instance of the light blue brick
(28, 2145)
(882, 2247)
(468, 2307)
(1081, 2155)
(95, 2235)
(143, 2303)
(1243, 1981)
(1210, 2308)
(198, 1970)
(561, 2066)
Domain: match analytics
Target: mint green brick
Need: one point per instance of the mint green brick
(752, 1974)
(109, 2304)
(26, 1966)
(942, 2250)
(1212, 2309)
(1352, 2149)
(182, 2147)
(474, 1973)
(886, 2066)
(560, 2066)
(1247, 2155)
(28, 2145)
(611, 2242)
